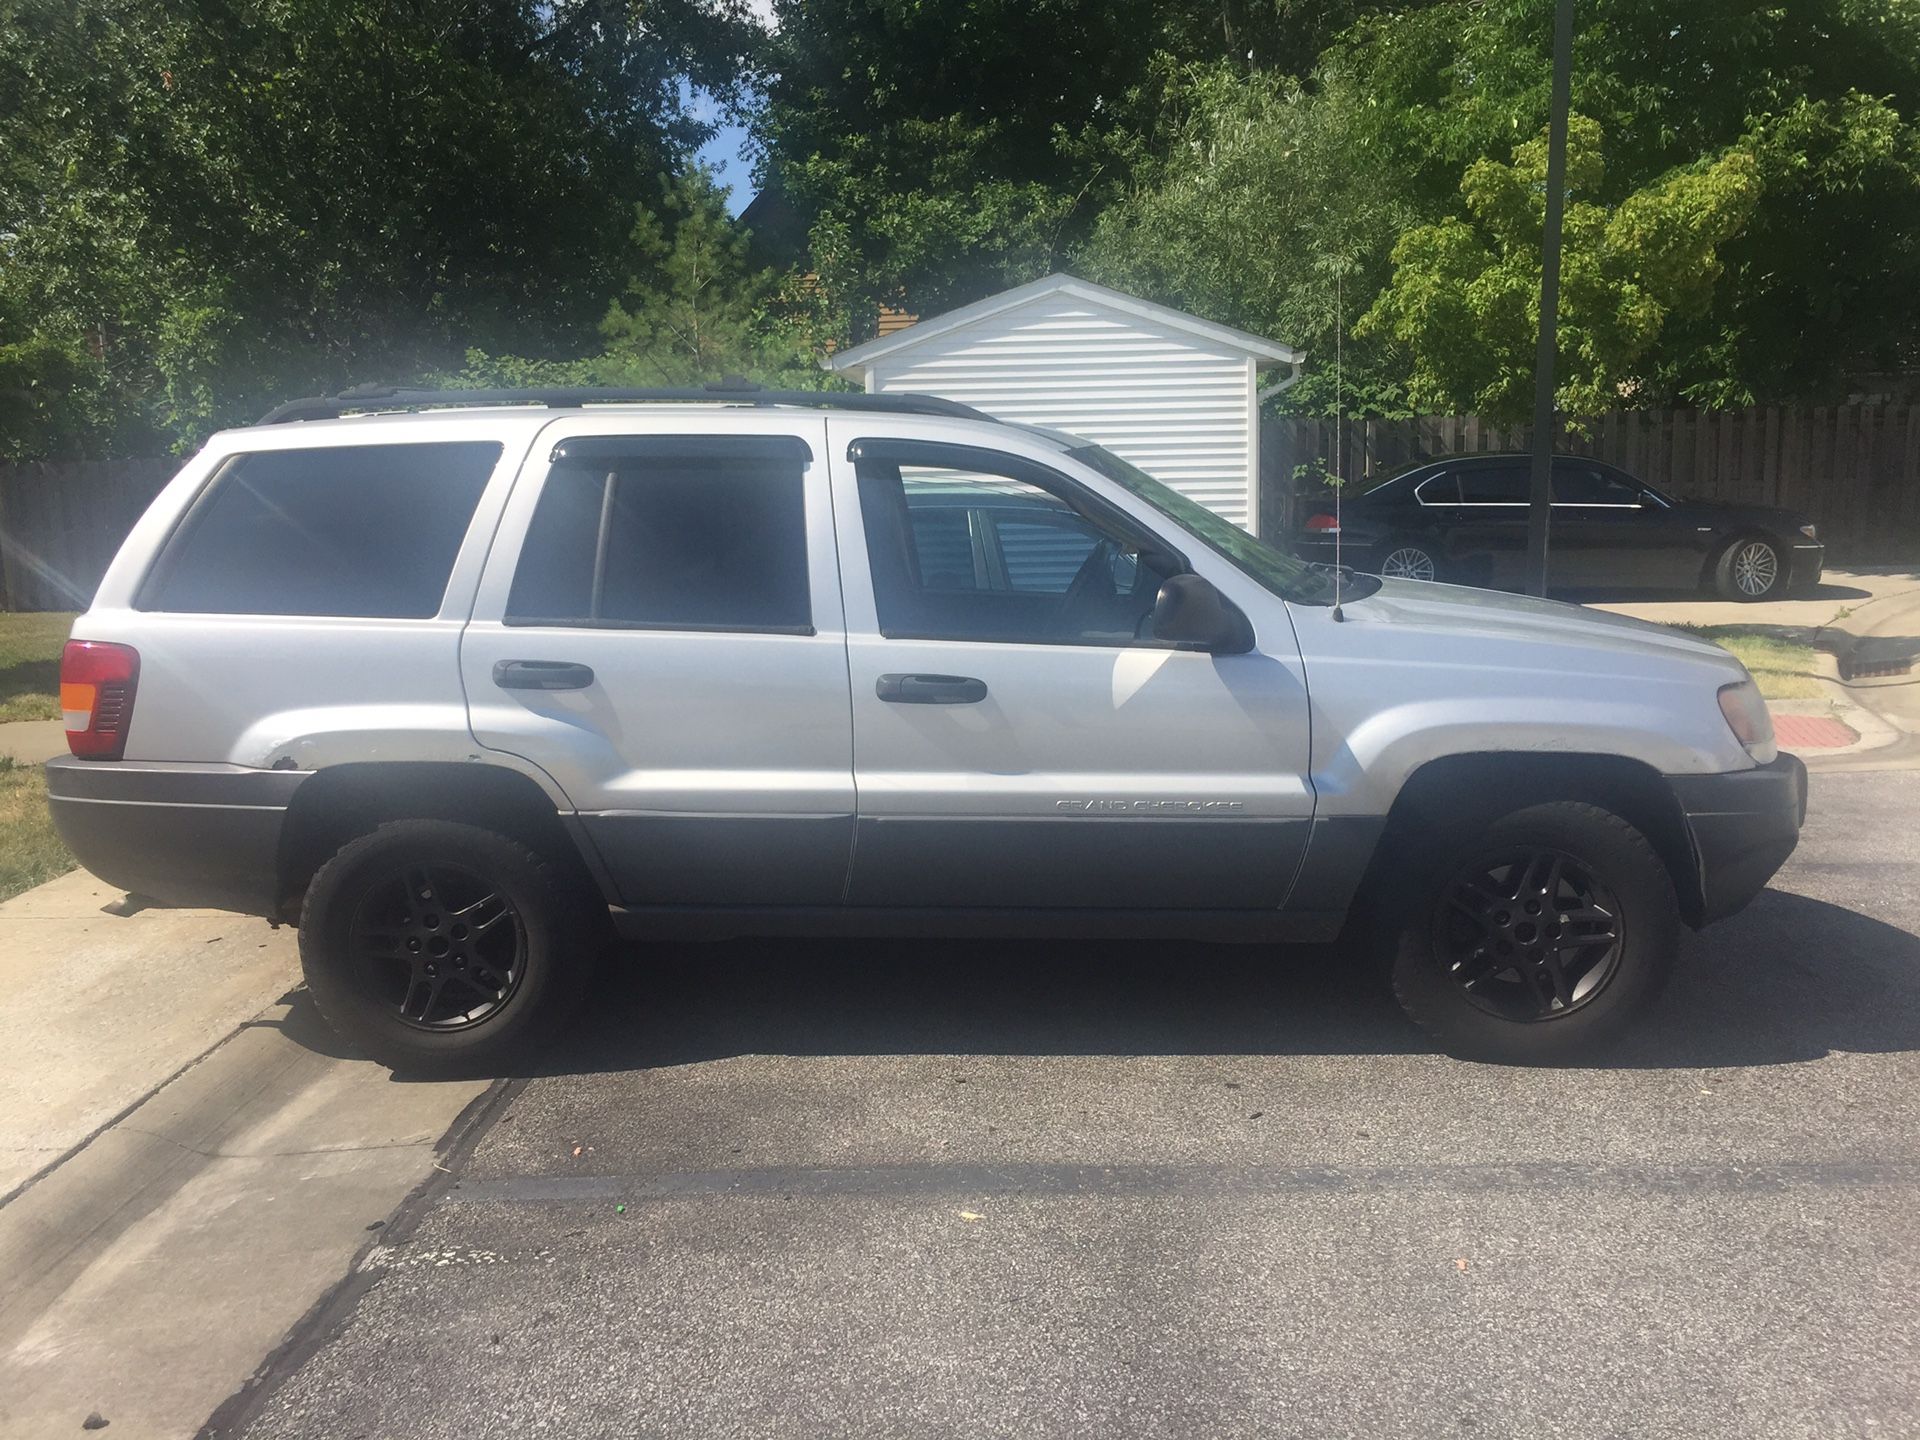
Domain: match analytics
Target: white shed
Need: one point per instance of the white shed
(1176, 395)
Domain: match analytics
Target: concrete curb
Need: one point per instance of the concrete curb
(1875, 730)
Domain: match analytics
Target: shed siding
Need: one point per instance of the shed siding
(1164, 400)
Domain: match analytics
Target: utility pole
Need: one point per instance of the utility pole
(1541, 509)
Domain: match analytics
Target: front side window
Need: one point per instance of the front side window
(669, 532)
(965, 545)
(358, 531)
(1584, 486)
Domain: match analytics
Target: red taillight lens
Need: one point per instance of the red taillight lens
(96, 696)
(1323, 525)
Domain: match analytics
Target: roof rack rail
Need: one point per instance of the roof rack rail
(372, 398)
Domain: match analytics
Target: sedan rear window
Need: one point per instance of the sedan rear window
(363, 531)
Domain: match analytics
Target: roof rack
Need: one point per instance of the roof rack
(371, 398)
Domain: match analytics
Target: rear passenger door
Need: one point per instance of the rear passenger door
(1597, 539)
(659, 629)
(1491, 536)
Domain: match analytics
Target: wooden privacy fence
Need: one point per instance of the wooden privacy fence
(1853, 469)
(62, 520)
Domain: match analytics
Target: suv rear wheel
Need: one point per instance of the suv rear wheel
(445, 948)
(1537, 939)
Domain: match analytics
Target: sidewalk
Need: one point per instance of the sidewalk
(32, 742)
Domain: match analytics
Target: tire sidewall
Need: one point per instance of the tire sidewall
(558, 946)
(1649, 918)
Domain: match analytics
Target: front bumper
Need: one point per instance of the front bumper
(1804, 568)
(1743, 825)
(206, 836)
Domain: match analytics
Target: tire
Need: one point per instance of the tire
(1751, 568)
(1534, 1011)
(1409, 560)
(484, 914)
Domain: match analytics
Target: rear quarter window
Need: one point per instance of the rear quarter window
(362, 531)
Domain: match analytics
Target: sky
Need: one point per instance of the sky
(722, 153)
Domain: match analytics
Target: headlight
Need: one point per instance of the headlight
(1812, 532)
(1747, 717)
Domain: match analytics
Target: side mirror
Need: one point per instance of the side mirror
(1190, 611)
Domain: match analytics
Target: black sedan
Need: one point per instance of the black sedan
(1464, 519)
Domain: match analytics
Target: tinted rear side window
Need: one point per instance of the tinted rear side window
(1494, 485)
(350, 530)
(692, 533)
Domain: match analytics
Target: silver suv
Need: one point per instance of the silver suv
(471, 683)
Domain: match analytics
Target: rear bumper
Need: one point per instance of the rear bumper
(1356, 553)
(206, 836)
(1743, 825)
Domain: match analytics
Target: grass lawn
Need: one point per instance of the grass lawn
(1783, 669)
(30, 664)
(30, 852)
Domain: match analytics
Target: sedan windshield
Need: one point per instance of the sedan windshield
(1285, 576)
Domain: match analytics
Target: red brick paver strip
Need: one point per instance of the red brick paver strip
(1811, 732)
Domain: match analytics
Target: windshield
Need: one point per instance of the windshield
(1285, 576)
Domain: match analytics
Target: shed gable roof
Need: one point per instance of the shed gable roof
(1264, 352)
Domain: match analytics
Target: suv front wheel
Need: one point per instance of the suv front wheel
(440, 948)
(1538, 939)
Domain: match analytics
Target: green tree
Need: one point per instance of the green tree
(242, 199)
(1464, 298)
(1824, 278)
(943, 149)
(1271, 212)
(695, 309)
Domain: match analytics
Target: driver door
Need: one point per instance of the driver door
(1021, 739)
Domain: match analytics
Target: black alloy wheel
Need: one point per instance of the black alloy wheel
(1528, 934)
(440, 944)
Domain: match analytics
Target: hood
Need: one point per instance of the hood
(1458, 610)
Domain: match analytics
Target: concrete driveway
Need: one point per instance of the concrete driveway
(1130, 1190)
(188, 1162)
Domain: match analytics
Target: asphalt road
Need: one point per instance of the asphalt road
(1107, 1190)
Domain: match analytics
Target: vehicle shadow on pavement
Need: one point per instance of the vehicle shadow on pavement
(1792, 979)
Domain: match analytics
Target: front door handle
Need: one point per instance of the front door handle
(541, 675)
(931, 689)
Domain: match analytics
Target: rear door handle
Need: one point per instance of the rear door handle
(931, 689)
(541, 675)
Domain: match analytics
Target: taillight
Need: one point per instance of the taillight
(1323, 525)
(96, 696)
